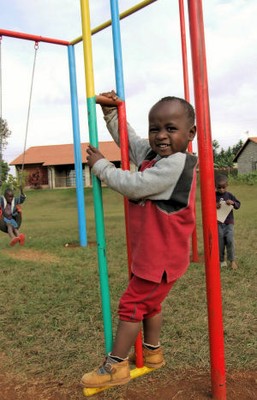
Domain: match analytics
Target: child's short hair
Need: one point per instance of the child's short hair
(221, 179)
(8, 190)
(187, 106)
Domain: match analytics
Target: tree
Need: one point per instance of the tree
(215, 147)
(4, 169)
(4, 134)
(237, 147)
(224, 158)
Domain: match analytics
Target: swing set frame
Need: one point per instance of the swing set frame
(18, 218)
(205, 155)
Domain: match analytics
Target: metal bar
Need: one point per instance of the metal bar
(210, 231)
(123, 15)
(77, 148)
(184, 49)
(35, 38)
(195, 256)
(97, 190)
(125, 162)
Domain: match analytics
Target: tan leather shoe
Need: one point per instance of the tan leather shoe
(152, 358)
(109, 374)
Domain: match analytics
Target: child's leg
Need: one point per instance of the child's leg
(16, 232)
(221, 242)
(231, 246)
(230, 242)
(10, 231)
(142, 298)
(152, 329)
(12, 234)
(125, 338)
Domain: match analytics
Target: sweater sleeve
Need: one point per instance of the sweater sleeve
(138, 147)
(237, 203)
(155, 183)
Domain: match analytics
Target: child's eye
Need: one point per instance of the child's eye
(153, 130)
(170, 128)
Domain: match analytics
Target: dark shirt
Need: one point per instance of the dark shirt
(228, 196)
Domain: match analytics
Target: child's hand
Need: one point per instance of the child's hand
(230, 202)
(93, 155)
(218, 205)
(108, 101)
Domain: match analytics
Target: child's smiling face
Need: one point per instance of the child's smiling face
(9, 196)
(170, 130)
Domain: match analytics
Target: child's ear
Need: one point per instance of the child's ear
(192, 133)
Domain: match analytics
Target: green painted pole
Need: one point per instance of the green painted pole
(97, 190)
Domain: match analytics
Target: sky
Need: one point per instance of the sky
(152, 67)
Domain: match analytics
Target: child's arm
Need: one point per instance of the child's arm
(156, 183)
(138, 147)
(233, 201)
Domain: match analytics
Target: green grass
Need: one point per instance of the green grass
(50, 310)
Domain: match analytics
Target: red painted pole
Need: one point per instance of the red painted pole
(184, 48)
(195, 256)
(34, 38)
(125, 163)
(210, 231)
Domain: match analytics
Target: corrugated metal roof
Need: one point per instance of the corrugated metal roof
(63, 154)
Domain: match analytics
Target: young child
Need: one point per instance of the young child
(226, 229)
(8, 205)
(161, 220)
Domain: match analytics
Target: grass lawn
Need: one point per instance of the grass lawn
(50, 310)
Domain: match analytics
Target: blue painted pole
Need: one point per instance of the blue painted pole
(77, 149)
(117, 49)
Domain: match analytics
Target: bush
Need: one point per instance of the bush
(248, 179)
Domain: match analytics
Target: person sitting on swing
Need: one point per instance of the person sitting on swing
(10, 209)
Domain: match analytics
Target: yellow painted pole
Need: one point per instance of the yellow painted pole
(97, 190)
(87, 47)
(124, 14)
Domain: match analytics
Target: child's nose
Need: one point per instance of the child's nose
(161, 133)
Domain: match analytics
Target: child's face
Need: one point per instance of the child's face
(221, 187)
(9, 197)
(169, 128)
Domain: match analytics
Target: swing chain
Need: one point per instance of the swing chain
(36, 46)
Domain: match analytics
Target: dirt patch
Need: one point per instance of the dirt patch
(189, 385)
(31, 255)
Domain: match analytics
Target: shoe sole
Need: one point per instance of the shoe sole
(147, 364)
(107, 384)
(155, 366)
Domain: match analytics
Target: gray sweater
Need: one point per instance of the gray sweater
(156, 183)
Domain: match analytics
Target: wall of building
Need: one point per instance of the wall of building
(247, 160)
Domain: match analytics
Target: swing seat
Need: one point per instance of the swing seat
(18, 219)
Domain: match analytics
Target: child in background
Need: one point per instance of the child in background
(226, 228)
(9, 209)
(161, 221)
